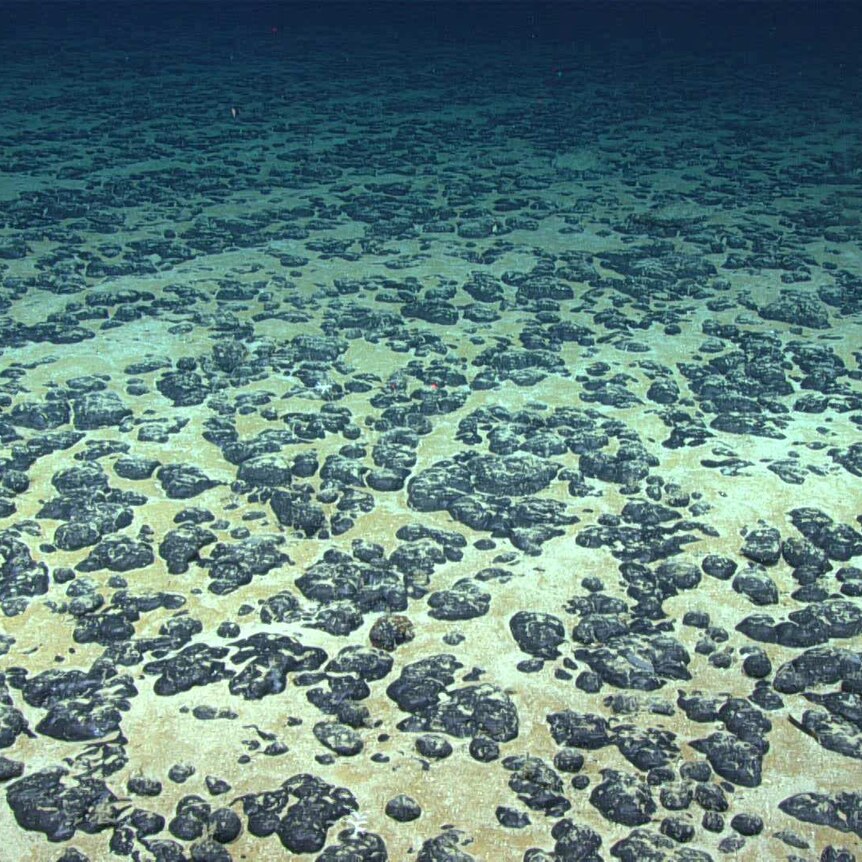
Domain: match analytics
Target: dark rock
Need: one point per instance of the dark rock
(191, 819)
(718, 567)
(797, 308)
(10, 768)
(183, 388)
(464, 600)
(438, 487)
(403, 808)
(234, 566)
(514, 475)
(280, 607)
(301, 812)
(135, 467)
(842, 811)
(622, 798)
(712, 821)
(468, 712)
(198, 664)
(268, 660)
(632, 662)
(579, 730)
(368, 664)
(182, 481)
(142, 786)
(340, 738)
(40, 416)
(747, 824)
(391, 631)
(732, 758)
(293, 510)
(444, 848)
(731, 844)
(42, 802)
(574, 842)
(337, 618)
(642, 845)
(166, 850)
(799, 551)
(538, 786)
(181, 546)
(433, 747)
(76, 535)
(833, 731)
(850, 458)
(194, 515)
(696, 619)
(756, 586)
(679, 830)
(224, 825)
(76, 721)
(117, 554)
(677, 797)
(20, 575)
(266, 470)
(595, 628)
(663, 392)
(647, 749)
(757, 665)
(537, 634)
(355, 844)
(838, 541)
(209, 850)
(762, 545)
(93, 410)
(678, 575)
(180, 773)
(12, 722)
(710, 797)
(217, 786)
(511, 818)
(791, 839)
(626, 467)
(695, 770)
(568, 760)
(483, 749)
(746, 721)
(813, 625)
(421, 683)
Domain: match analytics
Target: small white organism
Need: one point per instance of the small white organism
(357, 822)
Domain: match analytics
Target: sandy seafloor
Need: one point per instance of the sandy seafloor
(534, 337)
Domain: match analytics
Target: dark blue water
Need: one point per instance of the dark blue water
(380, 379)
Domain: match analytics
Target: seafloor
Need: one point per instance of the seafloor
(421, 444)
